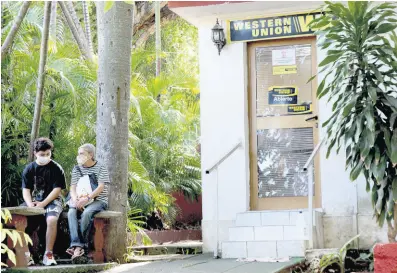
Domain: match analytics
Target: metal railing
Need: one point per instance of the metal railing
(208, 171)
(309, 169)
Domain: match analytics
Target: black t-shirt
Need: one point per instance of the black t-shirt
(41, 180)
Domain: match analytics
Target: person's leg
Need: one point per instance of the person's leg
(73, 222)
(87, 218)
(51, 234)
(53, 211)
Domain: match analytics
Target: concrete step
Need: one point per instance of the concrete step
(271, 218)
(153, 258)
(264, 233)
(263, 249)
(186, 248)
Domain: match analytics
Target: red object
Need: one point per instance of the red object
(99, 238)
(184, 4)
(191, 211)
(385, 258)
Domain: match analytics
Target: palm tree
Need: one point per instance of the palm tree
(87, 26)
(11, 35)
(41, 78)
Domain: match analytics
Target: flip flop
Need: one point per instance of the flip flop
(70, 250)
(78, 253)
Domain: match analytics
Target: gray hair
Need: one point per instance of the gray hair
(89, 148)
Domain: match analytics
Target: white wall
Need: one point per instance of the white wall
(224, 121)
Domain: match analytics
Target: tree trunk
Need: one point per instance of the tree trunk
(40, 78)
(76, 21)
(81, 43)
(87, 27)
(114, 62)
(53, 21)
(158, 40)
(17, 23)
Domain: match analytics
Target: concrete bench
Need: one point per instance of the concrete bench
(19, 222)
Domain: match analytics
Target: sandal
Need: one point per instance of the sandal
(78, 253)
(70, 250)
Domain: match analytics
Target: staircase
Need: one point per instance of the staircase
(273, 234)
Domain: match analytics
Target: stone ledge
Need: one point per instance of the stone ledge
(26, 211)
(107, 214)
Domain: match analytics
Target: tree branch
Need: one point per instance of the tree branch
(166, 16)
(11, 35)
(144, 14)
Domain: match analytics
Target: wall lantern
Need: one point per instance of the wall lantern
(218, 36)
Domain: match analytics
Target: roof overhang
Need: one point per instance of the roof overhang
(204, 13)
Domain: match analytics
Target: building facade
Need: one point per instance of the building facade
(255, 97)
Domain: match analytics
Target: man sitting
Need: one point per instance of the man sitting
(42, 182)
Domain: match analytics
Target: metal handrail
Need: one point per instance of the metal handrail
(215, 166)
(220, 161)
(309, 168)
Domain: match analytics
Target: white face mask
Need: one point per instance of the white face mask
(43, 160)
(81, 159)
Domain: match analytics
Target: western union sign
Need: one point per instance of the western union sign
(271, 28)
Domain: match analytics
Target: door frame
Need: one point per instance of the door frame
(279, 203)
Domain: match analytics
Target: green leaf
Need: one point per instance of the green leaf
(311, 78)
(393, 119)
(349, 107)
(330, 59)
(377, 155)
(394, 189)
(379, 170)
(368, 186)
(320, 87)
(369, 117)
(381, 218)
(372, 93)
(108, 5)
(386, 27)
(390, 205)
(355, 172)
(324, 92)
(393, 148)
(386, 135)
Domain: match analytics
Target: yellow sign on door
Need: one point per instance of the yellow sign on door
(284, 69)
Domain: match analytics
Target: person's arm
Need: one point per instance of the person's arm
(51, 197)
(27, 197)
(98, 190)
(57, 187)
(103, 177)
(73, 192)
(27, 186)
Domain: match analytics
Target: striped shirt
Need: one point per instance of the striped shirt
(101, 174)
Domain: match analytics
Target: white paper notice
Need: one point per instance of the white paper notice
(283, 57)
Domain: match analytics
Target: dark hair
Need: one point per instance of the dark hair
(43, 144)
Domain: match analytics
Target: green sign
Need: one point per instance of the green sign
(271, 27)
